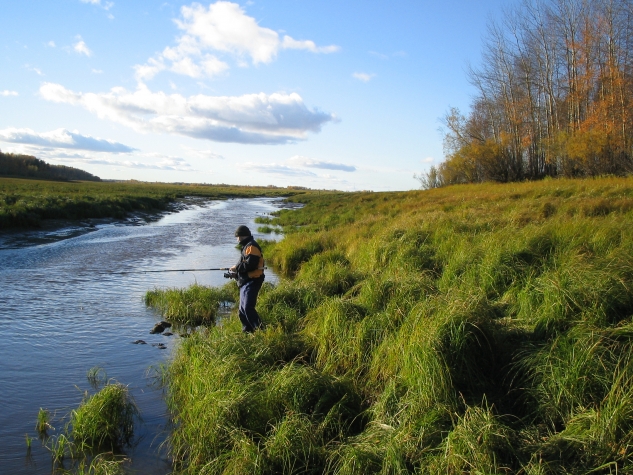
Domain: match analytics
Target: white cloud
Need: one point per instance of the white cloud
(166, 163)
(363, 76)
(206, 154)
(51, 44)
(397, 54)
(96, 71)
(147, 161)
(105, 5)
(379, 55)
(296, 167)
(35, 70)
(290, 43)
(252, 118)
(223, 27)
(81, 47)
(428, 160)
(298, 160)
(276, 169)
(62, 138)
(6, 93)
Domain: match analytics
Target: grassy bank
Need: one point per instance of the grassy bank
(26, 203)
(195, 305)
(472, 329)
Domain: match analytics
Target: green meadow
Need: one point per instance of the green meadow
(469, 329)
(28, 203)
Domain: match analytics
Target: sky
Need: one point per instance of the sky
(344, 95)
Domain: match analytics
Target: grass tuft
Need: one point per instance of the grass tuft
(43, 422)
(195, 305)
(105, 419)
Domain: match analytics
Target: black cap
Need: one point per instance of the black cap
(242, 231)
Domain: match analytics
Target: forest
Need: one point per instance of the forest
(26, 166)
(554, 93)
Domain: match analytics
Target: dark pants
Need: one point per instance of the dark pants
(248, 299)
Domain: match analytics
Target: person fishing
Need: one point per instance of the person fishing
(250, 277)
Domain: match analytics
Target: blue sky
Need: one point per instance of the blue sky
(336, 95)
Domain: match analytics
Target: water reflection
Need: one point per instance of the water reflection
(62, 313)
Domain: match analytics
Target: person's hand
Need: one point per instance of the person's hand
(232, 269)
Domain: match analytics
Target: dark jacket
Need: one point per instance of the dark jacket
(251, 264)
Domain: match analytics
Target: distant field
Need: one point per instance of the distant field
(26, 203)
(470, 329)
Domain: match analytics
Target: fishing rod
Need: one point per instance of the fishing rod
(166, 270)
(172, 270)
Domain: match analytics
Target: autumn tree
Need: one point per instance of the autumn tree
(554, 93)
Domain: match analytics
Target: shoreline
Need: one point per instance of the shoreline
(54, 230)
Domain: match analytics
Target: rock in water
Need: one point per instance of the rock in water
(167, 334)
(139, 342)
(158, 328)
(164, 324)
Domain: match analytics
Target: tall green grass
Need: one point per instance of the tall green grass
(195, 305)
(95, 433)
(105, 419)
(472, 329)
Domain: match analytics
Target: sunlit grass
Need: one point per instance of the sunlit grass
(472, 329)
(93, 436)
(105, 419)
(27, 203)
(43, 422)
(195, 305)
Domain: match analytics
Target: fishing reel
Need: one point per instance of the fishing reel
(230, 275)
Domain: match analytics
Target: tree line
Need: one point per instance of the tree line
(28, 166)
(554, 93)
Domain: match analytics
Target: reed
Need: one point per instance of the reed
(102, 464)
(43, 422)
(195, 305)
(471, 329)
(97, 376)
(102, 425)
(104, 420)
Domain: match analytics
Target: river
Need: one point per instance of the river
(62, 314)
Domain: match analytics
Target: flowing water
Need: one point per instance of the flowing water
(62, 314)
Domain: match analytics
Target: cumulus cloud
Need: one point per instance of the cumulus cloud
(428, 160)
(51, 44)
(251, 119)
(223, 28)
(81, 47)
(7, 93)
(363, 76)
(298, 160)
(62, 138)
